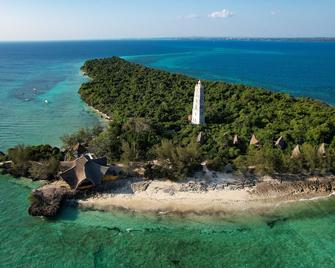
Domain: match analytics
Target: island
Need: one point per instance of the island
(250, 149)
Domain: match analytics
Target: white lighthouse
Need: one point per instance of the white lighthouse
(198, 113)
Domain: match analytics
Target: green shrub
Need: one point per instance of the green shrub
(180, 161)
(82, 136)
(44, 170)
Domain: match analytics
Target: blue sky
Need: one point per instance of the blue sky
(103, 19)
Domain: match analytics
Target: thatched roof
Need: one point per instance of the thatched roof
(322, 150)
(79, 149)
(236, 141)
(201, 138)
(85, 172)
(296, 152)
(254, 140)
(280, 143)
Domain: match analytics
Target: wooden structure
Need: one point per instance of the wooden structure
(236, 141)
(254, 140)
(280, 143)
(78, 150)
(296, 153)
(85, 172)
(322, 150)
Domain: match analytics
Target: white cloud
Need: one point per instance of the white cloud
(189, 17)
(274, 12)
(221, 14)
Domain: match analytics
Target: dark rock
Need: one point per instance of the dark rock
(321, 185)
(47, 201)
(211, 186)
(117, 229)
(272, 223)
(170, 190)
(228, 169)
(140, 186)
(194, 187)
(175, 262)
(7, 165)
(219, 187)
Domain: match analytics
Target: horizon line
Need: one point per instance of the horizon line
(171, 38)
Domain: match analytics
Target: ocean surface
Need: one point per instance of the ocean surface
(39, 103)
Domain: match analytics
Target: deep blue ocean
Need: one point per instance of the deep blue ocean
(39, 103)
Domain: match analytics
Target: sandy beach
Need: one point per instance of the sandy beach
(102, 115)
(164, 197)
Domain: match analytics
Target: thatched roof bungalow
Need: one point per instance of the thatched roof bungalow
(78, 150)
(322, 150)
(280, 143)
(84, 172)
(254, 140)
(296, 152)
(201, 138)
(236, 140)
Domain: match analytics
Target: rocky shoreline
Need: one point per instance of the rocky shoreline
(102, 115)
(48, 200)
(190, 196)
(204, 198)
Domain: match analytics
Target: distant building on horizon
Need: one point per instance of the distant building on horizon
(198, 112)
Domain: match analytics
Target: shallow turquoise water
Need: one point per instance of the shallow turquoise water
(26, 118)
(302, 236)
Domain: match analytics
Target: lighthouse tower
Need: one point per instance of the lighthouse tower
(198, 113)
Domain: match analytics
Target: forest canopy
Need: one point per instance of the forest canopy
(160, 103)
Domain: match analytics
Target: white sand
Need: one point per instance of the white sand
(163, 196)
(181, 198)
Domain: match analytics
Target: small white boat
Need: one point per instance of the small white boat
(46, 101)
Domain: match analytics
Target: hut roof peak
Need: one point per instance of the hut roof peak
(254, 140)
(296, 151)
(236, 140)
(322, 150)
(85, 170)
(280, 143)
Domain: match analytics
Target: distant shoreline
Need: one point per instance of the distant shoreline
(331, 39)
(102, 115)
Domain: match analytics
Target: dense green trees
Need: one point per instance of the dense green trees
(83, 136)
(148, 106)
(270, 160)
(37, 162)
(149, 110)
(178, 161)
(129, 140)
(44, 170)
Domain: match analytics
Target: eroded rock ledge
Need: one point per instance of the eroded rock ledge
(47, 200)
(217, 195)
(311, 185)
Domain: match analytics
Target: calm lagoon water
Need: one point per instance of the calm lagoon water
(31, 73)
